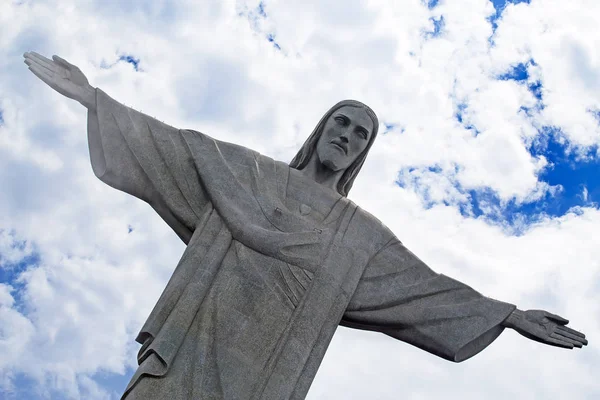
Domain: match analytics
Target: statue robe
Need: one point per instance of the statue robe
(274, 263)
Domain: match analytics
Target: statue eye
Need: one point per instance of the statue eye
(340, 120)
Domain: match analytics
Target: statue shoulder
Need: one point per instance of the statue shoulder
(369, 227)
(230, 151)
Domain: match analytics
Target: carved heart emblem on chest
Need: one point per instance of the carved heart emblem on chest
(304, 209)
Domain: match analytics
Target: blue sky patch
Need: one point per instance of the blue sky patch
(520, 74)
(431, 3)
(460, 117)
(536, 89)
(271, 38)
(517, 73)
(17, 244)
(261, 10)
(580, 182)
(24, 387)
(113, 381)
(438, 26)
(500, 5)
(255, 17)
(459, 114)
(388, 127)
(566, 170)
(11, 271)
(131, 60)
(595, 114)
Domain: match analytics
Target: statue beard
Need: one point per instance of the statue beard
(330, 164)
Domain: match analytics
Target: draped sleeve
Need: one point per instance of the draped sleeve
(148, 159)
(399, 295)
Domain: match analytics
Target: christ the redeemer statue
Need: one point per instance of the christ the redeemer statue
(277, 257)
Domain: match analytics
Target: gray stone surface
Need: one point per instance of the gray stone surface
(277, 256)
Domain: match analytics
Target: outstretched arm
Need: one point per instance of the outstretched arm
(131, 151)
(400, 296)
(545, 327)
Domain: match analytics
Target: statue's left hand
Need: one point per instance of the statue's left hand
(545, 327)
(62, 76)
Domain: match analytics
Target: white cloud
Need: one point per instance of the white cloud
(207, 68)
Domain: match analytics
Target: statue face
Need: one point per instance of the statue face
(345, 136)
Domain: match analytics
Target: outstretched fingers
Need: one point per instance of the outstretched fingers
(62, 61)
(42, 62)
(40, 57)
(571, 341)
(557, 318)
(556, 340)
(42, 74)
(45, 61)
(572, 337)
(571, 331)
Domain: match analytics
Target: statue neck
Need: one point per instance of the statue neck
(321, 174)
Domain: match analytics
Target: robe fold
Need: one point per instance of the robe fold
(274, 263)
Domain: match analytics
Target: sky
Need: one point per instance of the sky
(487, 167)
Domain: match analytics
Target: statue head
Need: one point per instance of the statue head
(341, 141)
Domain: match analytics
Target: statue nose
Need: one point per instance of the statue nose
(344, 138)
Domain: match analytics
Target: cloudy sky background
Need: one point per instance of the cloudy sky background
(487, 167)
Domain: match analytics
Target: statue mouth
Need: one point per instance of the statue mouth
(340, 146)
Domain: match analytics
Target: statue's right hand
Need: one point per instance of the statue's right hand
(62, 76)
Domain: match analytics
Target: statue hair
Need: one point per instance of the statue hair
(309, 147)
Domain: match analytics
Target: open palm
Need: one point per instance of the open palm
(544, 327)
(62, 76)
